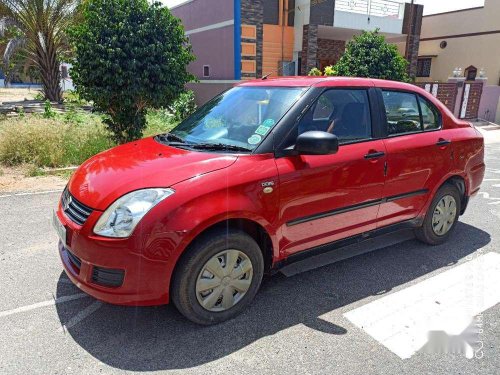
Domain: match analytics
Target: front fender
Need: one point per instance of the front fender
(203, 201)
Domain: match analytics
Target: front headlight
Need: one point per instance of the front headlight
(121, 218)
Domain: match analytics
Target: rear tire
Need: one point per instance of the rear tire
(442, 216)
(227, 262)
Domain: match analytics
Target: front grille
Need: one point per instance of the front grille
(107, 277)
(74, 260)
(76, 211)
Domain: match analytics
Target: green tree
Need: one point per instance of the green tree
(369, 55)
(129, 56)
(36, 30)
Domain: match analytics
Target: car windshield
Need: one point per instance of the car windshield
(239, 118)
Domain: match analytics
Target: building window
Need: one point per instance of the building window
(272, 12)
(424, 67)
(471, 73)
(291, 12)
(206, 71)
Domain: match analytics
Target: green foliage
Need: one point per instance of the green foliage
(72, 97)
(130, 56)
(369, 55)
(331, 71)
(48, 112)
(315, 72)
(159, 121)
(183, 106)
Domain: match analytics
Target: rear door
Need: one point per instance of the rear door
(418, 155)
(324, 198)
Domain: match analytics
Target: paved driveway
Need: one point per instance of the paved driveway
(314, 320)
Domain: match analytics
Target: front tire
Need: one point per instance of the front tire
(218, 277)
(442, 216)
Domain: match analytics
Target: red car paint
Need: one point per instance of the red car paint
(214, 187)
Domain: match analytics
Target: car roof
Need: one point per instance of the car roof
(321, 81)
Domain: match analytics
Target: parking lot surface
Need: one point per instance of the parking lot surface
(315, 318)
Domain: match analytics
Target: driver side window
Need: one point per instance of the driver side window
(343, 112)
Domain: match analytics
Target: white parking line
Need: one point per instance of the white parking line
(43, 304)
(31, 193)
(82, 315)
(447, 302)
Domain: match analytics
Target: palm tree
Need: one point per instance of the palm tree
(37, 30)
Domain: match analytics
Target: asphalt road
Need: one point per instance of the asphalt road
(297, 323)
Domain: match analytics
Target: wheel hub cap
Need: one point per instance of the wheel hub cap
(444, 215)
(224, 280)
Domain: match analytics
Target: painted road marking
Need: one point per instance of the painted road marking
(38, 305)
(447, 302)
(30, 193)
(85, 313)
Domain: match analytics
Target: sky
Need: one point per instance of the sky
(430, 6)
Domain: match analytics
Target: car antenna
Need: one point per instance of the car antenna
(276, 70)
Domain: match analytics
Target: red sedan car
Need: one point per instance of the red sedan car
(266, 173)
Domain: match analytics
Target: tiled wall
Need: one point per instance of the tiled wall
(252, 30)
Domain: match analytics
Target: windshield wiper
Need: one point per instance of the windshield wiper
(169, 137)
(218, 146)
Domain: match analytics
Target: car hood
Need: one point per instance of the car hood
(138, 165)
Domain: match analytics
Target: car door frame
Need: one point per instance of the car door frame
(421, 194)
(284, 131)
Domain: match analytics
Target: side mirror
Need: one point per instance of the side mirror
(316, 143)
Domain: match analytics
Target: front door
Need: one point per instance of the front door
(324, 198)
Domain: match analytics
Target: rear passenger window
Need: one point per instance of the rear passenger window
(403, 115)
(430, 115)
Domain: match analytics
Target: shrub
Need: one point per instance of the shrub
(331, 71)
(138, 62)
(369, 55)
(159, 121)
(183, 106)
(48, 112)
(315, 72)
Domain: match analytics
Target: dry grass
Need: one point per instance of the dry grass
(63, 140)
(17, 94)
(54, 142)
(16, 180)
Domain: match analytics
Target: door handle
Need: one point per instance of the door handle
(375, 155)
(443, 142)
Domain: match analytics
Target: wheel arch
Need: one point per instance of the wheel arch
(248, 226)
(461, 185)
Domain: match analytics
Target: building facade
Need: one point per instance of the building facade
(246, 39)
(467, 39)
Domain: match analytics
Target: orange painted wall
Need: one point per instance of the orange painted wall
(271, 53)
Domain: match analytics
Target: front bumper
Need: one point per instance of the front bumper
(115, 271)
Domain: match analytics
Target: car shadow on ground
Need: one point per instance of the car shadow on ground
(159, 338)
